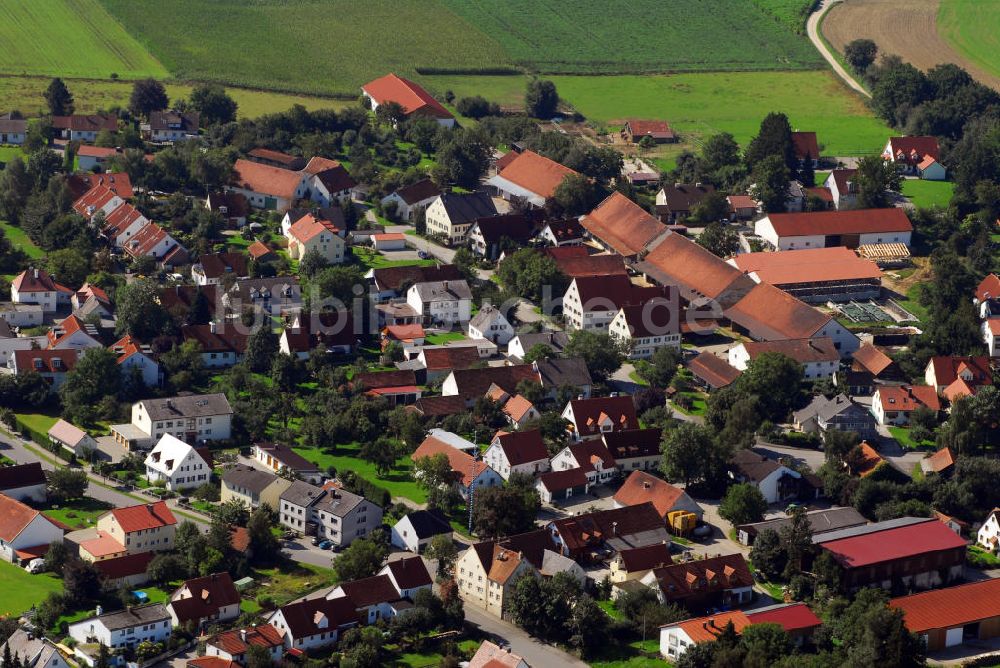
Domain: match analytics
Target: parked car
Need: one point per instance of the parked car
(35, 565)
(325, 545)
(423, 255)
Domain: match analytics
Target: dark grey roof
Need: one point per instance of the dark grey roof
(338, 502)
(555, 340)
(427, 523)
(870, 528)
(820, 521)
(559, 371)
(194, 405)
(486, 316)
(123, 619)
(418, 192)
(174, 120)
(438, 290)
(249, 478)
(466, 207)
(251, 289)
(301, 493)
(684, 196)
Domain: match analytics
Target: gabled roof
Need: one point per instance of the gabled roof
(947, 369)
(651, 128)
(189, 405)
(116, 568)
(208, 595)
(522, 447)
(808, 265)
(754, 466)
(581, 266)
(942, 460)
(420, 191)
(591, 452)
(440, 290)
(410, 572)
(336, 328)
(820, 521)
(847, 221)
(518, 227)
(144, 517)
(805, 145)
(610, 293)
(439, 406)
(646, 558)
(216, 338)
(558, 481)
(92, 200)
(394, 278)
(914, 148)
(622, 225)
(871, 359)
(907, 397)
(595, 528)
(558, 372)
(370, 591)
(287, 457)
(88, 151)
(951, 607)
(490, 655)
(535, 173)
(589, 413)
(456, 357)
(407, 94)
(682, 580)
(684, 196)
(427, 523)
(235, 203)
(463, 208)
(265, 179)
(333, 175)
(630, 443)
(33, 280)
(988, 288)
(308, 226)
(566, 229)
(303, 617)
(713, 370)
(238, 641)
(641, 487)
(270, 155)
(463, 465)
(258, 249)
(676, 260)
(868, 461)
(46, 361)
(771, 314)
(374, 380)
(86, 123)
(215, 265)
(473, 383)
(14, 517)
(67, 433)
(654, 317)
(174, 120)
(803, 351)
(117, 182)
(893, 543)
(249, 478)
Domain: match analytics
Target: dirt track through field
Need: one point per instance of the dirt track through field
(907, 28)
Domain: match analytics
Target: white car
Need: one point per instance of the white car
(35, 566)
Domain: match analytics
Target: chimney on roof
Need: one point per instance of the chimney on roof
(243, 635)
(211, 327)
(697, 184)
(614, 528)
(36, 272)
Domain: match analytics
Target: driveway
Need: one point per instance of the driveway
(812, 28)
(534, 651)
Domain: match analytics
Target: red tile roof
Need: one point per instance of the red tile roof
(989, 288)
(871, 359)
(333, 175)
(589, 412)
(646, 558)
(641, 487)
(892, 544)
(125, 347)
(869, 460)
(623, 225)
(713, 370)
(678, 260)
(656, 129)
(805, 145)
(536, 173)
(940, 461)
(677, 582)
(216, 265)
(465, 468)
(144, 516)
(810, 265)
(119, 220)
(850, 221)
(208, 595)
(123, 567)
(589, 265)
(118, 182)
(558, 481)
(907, 398)
(233, 643)
(794, 617)
(275, 156)
(258, 249)
(770, 313)
(947, 369)
(913, 149)
(266, 179)
(410, 96)
(14, 517)
(89, 151)
(409, 332)
(453, 357)
(951, 607)
(46, 361)
(307, 227)
(33, 280)
(522, 447)
(87, 123)
(803, 351)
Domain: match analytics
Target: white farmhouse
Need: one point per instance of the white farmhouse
(441, 302)
(988, 536)
(490, 324)
(644, 330)
(125, 628)
(451, 215)
(412, 198)
(517, 452)
(818, 357)
(24, 533)
(176, 464)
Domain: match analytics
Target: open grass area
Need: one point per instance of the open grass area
(399, 482)
(292, 580)
(928, 193)
(21, 590)
(902, 435)
(636, 654)
(374, 260)
(698, 403)
(73, 38)
(912, 303)
(972, 27)
(443, 337)
(78, 514)
(7, 153)
(38, 421)
(641, 36)
(19, 239)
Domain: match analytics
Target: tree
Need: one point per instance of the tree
(477, 107)
(587, 626)
(775, 380)
(462, 160)
(773, 139)
(684, 450)
(390, 113)
(56, 556)
(166, 568)
(860, 54)
(532, 275)
(719, 239)
(69, 265)
(603, 354)
(764, 644)
(770, 179)
(767, 554)
(870, 633)
(380, 453)
(837, 443)
(95, 376)
(575, 196)
(311, 263)
(66, 484)
(541, 99)
(262, 346)
(361, 559)
(258, 656)
(442, 548)
(743, 504)
(875, 179)
(465, 261)
(662, 367)
(81, 581)
(507, 510)
(796, 539)
(59, 99)
(138, 310)
(147, 95)
(213, 104)
(720, 151)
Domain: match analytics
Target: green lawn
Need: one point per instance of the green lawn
(698, 404)
(912, 303)
(19, 239)
(374, 260)
(38, 421)
(444, 337)
(292, 581)
(22, 589)
(928, 193)
(636, 654)
(79, 513)
(973, 29)
(902, 435)
(7, 153)
(398, 483)
(980, 558)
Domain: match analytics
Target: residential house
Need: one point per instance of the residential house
(212, 268)
(741, 207)
(373, 597)
(153, 241)
(88, 292)
(491, 655)
(310, 234)
(451, 215)
(776, 482)
(590, 418)
(912, 552)
(554, 486)
(712, 372)
(645, 328)
(869, 366)
(892, 404)
(73, 333)
(674, 203)
(13, 131)
(205, 601)
(991, 336)
(93, 157)
(329, 514)
(806, 148)
(814, 275)
(592, 456)
(594, 535)
(329, 182)
(556, 374)
(517, 452)
(795, 619)
(260, 252)
(818, 357)
(33, 651)
(23, 482)
(469, 471)
(529, 177)
(410, 199)
(124, 629)
(565, 232)
(824, 229)
(490, 324)
(99, 201)
(491, 236)
(820, 521)
(519, 346)
(635, 563)
(18, 315)
(408, 575)
(147, 527)
(700, 584)
(915, 155)
(441, 302)
(943, 618)
(313, 623)
(266, 187)
(171, 126)
(129, 570)
(659, 132)
(415, 530)
(470, 384)
(413, 100)
(941, 462)
(621, 226)
(134, 357)
(440, 361)
(334, 331)
(25, 533)
(176, 464)
(331, 217)
(52, 365)
(253, 487)
(399, 388)
(267, 156)
(192, 418)
(278, 458)
(35, 286)
(958, 376)
(275, 296)
(84, 128)
(592, 302)
(233, 207)
(839, 413)
(634, 449)
(235, 644)
(843, 187)
(72, 438)
(517, 409)
(222, 344)
(641, 487)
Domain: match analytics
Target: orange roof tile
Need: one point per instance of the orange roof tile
(265, 179)
(807, 266)
(410, 96)
(641, 487)
(144, 516)
(536, 173)
(951, 607)
(622, 224)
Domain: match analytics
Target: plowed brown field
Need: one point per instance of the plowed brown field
(907, 28)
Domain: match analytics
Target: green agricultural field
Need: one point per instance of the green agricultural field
(640, 36)
(973, 28)
(69, 38)
(304, 45)
(928, 193)
(791, 13)
(22, 589)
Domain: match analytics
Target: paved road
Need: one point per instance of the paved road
(534, 651)
(812, 28)
(904, 460)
